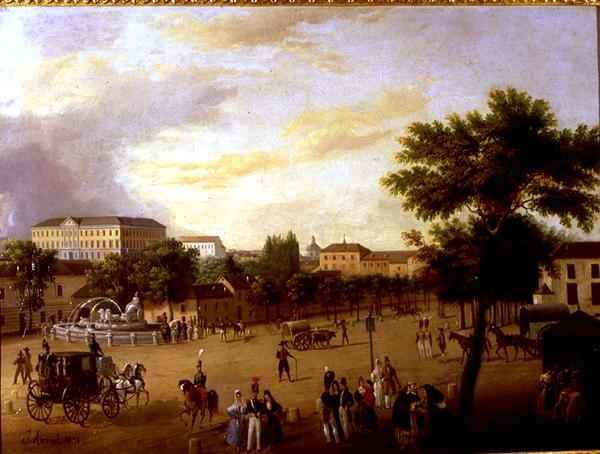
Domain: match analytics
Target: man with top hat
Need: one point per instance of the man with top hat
(282, 356)
(254, 410)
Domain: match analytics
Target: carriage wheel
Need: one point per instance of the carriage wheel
(39, 404)
(76, 406)
(105, 385)
(306, 341)
(110, 404)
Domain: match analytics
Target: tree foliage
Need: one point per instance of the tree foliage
(34, 271)
(165, 271)
(499, 167)
(209, 269)
(114, 277)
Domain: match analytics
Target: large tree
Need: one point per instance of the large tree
(165, 271)
(511, 160)
(209, 269)
(113, 277)
(301, 291)
(34, 270)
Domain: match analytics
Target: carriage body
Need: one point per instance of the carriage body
(70, 379)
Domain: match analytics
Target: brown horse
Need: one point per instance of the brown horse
(198, 400)
(503, 341)
(466, 344)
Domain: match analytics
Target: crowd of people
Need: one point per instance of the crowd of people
(561, 398)
(424, 338)
(418, 413)
(185, 330)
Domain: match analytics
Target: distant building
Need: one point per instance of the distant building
(355, 259)
(313, 250)
(207, 246)
(245, 256)
(93, 238)
(69, 278)
(577, 283)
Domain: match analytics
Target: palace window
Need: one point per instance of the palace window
(110, 244)
(59, 290)
(595, 271)
(570, 271)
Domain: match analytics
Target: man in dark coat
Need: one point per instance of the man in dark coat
(94, 346)
(200, 377)
(284, 365)
(328, 378)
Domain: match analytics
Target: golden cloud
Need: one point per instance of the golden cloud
(319, 135)
(213, 174)
(344, 129)
(267, 27)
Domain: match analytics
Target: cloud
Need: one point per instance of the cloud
(281, 29)
(216, 173)
(77, 115)
(322, 133)
(317, 135)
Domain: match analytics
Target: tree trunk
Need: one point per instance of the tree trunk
(358, 310)
(461, 306)
(471, 372)
(335, 311)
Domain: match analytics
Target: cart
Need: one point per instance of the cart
(71, 379)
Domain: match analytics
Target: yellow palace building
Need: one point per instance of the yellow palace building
(92, 238)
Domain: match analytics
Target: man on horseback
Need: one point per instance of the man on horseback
(200, 377)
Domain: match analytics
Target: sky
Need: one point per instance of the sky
(248, 122)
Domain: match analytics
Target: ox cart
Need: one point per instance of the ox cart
(303, 337)
(71, 379)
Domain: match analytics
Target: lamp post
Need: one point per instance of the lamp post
(370, 325)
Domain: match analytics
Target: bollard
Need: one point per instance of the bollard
(132, 337)
(452, 390)
(154, 338)
(194, 446)
(109, 339)
(292, 415)
(8, 407)
(53, 333)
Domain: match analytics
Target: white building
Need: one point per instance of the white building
(577, 282)
(207, 246)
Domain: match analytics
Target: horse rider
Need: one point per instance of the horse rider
(94, 346)
(200, 377)
(284, 365)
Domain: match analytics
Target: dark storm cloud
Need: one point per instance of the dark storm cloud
(67, 163)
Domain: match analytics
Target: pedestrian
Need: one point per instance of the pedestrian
(94, 346)
(19, 362)
(346, 403)
(28, 366)
(328, 377)
(254, 411)
(223, 331)
(329, 403)
(282, 356)
(235, 428)
(344, 332)
(427, 344)
(368, 403)
(273, 432)
(441, 341)
(401, 415)
(421, 343)
(45, 345)
(184, 330)
(359, 416)
(390, 382)
(377, 379)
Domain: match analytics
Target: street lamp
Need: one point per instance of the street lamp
(370, 325)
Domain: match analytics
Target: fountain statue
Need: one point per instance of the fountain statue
(133, 311)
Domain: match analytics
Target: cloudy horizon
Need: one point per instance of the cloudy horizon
(247, 122)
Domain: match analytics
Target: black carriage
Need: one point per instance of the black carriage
(72, 380)
(534, 319)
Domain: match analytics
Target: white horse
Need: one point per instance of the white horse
(131, 382)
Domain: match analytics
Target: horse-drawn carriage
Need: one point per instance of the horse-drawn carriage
(71, 379)
(303, 337)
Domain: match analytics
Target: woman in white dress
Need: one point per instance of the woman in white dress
(377, 379)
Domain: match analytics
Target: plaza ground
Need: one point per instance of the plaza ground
(505, 395)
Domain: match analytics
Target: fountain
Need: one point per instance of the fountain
(103, 317)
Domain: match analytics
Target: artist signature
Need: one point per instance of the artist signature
(36, 438)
